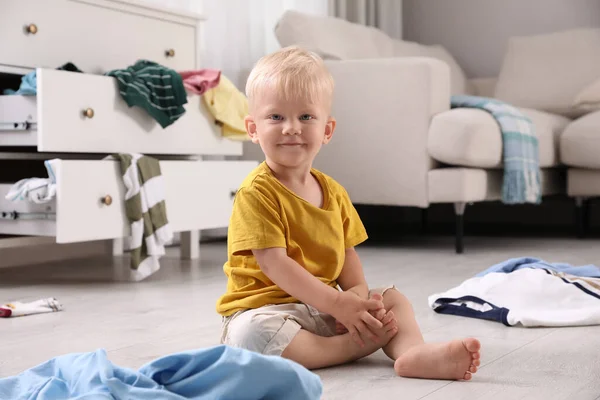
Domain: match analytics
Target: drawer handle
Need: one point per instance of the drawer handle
(107, 200)
(232, 194)
(31, 28)
(88, 113)
(170, 53)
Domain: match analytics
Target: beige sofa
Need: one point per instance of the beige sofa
(398, 142)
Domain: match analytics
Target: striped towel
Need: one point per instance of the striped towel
(146, 211)
(522, 180)
(157, 89)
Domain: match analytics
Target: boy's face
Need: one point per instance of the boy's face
(290, 132)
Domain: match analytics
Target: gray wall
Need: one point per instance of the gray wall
(476, 31)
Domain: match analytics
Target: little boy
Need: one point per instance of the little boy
(291, 244)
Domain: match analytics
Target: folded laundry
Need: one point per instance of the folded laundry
(199, 81)
(157, 89)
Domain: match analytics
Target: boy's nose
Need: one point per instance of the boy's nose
(291, 129)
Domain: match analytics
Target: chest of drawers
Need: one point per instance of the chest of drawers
(80, 118)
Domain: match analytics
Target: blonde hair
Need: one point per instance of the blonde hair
(294, 72)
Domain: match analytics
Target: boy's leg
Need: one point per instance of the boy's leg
(287, 330)
(313, 351)
(457, 359)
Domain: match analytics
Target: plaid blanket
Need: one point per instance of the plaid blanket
(146, 211)
(521, 181)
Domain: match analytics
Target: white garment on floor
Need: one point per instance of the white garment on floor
(531, 297)
(19, 309)
(37, 190)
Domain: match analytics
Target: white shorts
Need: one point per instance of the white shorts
(269, 330)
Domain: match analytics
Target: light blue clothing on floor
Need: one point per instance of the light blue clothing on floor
(219, 372)
(514, 264)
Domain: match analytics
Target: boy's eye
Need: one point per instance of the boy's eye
(276, 117)
(306, 117)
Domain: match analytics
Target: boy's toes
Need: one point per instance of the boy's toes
(476, 363)
(467, 376)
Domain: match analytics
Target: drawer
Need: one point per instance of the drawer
(93, 36)
(56, 115)
(198, 194)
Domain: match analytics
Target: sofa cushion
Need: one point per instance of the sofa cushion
(458, 80)
(471, 137)
(583, 182)
(337, 39)
(580, 142)
(546, 72)
(465, 185)
(332, 38)
(588, 100)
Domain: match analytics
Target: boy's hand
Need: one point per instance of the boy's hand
(353, 313)
(387, 318)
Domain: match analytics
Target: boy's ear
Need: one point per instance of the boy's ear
(329, 128)
(251, 128)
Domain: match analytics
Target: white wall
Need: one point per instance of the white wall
(476, 31)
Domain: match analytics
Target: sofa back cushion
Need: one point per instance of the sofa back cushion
(458, 81)
(338, 39)
(332, 38)
(547, 72)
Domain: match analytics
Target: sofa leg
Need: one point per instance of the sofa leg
(582, 216)
(459, 210)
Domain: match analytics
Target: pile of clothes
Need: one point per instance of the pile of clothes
(528, 292)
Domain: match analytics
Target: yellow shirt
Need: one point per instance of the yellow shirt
(267, 214)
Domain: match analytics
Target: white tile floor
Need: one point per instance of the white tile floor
(174, 311)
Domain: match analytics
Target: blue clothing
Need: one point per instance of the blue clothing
(219, 372)
(28, 86)
(29, 82)
(514, 264)
(520, 156)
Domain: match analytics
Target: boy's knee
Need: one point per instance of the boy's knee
(260, 333)
(393, 297)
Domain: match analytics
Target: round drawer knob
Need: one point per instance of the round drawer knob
(32, 28)
(170, 53)
(88, 112)
(107, 200)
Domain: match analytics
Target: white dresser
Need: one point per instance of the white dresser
(80, 118)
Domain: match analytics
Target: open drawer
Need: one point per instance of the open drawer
(84, 113)
(89, 202)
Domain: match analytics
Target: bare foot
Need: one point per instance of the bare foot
(457, 359)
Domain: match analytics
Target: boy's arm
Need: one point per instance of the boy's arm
(295, 280)
(352, 277)
(350, 310)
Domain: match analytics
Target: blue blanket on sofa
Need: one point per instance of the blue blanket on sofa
(521, 181)
(220, 372)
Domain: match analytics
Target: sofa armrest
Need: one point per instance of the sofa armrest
(383, 109)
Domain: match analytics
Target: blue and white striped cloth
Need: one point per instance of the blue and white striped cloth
(522, 178)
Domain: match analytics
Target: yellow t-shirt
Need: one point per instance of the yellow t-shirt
(267, 214)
